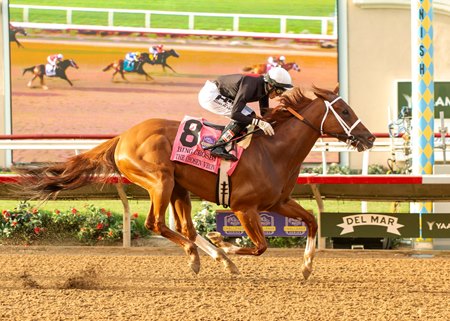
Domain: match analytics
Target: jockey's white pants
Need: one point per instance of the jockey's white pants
(210, 99)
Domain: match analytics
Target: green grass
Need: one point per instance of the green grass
(321, 8)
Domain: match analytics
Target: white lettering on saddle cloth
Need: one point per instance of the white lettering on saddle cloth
(192, 137)
(49, 71)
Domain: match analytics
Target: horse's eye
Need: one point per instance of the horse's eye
(345, 112)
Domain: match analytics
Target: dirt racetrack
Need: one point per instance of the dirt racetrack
(96, 105)
(155, 283)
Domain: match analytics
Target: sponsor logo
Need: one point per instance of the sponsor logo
(351, 221)
(207, 141)
(438, 226)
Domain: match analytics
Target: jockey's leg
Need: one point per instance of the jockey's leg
(230, 131)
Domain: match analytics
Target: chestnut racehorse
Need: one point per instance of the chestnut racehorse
(263, 180)
(262, 68)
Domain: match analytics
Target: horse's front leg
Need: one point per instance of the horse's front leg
(251, 223)
(66, 79)
(294, 210)
(166, 65)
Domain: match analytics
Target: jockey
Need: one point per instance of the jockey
(271, 62)
(228, 95)
(132, 57)
(54, 60)
(281, 60)
(155, 50)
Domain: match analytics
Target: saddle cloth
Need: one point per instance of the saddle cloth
(49, 70)
(128, 65)
(192, 137)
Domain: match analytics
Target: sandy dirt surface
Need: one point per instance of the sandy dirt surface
(155, 283)
(96, 105)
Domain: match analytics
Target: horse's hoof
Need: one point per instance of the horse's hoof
(215, 237)
(195, 267)
(231, 267)
(29, 84)
(306, 272)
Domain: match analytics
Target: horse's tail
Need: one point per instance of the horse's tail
(46, 181)
(30, 69)
(108, 67)
(248, 68)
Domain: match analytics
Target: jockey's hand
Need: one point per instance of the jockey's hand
(265, 126)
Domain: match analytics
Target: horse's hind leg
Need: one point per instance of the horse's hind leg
(158, 180)
(42, 83)
(31, 80)
(181, 203)
(292, 209)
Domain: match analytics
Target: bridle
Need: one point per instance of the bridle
(347, 137)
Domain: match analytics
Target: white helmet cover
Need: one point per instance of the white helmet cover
(60, 56)
(282, 58)
(270, 60)
(278, 77)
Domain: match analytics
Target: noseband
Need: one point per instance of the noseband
(348, 137)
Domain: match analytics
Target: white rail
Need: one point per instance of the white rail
(191, 27)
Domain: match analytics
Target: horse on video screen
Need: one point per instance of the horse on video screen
(60, 72)
(13, 31)
(262, 68)
(119, 67)
(262, 181)
(162, 57)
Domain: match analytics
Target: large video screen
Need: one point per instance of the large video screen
(95, 100)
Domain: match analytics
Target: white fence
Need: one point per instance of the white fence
(231, 29)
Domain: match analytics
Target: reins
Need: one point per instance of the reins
(329, 106)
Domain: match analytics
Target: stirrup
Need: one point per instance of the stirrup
(220, 152)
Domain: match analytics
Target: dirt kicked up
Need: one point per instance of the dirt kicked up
(155, 283)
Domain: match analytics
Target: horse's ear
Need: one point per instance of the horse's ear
(336, 89)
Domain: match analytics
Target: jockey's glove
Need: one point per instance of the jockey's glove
(265, 126)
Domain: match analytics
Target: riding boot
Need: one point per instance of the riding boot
(231, 130)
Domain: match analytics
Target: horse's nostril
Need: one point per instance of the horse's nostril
(371, 138)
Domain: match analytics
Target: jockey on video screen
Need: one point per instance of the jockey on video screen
(155, 50)
(54, 60)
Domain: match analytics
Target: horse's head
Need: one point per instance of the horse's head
(145, 57)
(172, 52)
(21, 31)
(68, 63)
(341, 121)
(295, 67)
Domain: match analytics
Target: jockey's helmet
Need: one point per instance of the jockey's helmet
(282, 58)
(60, 56)
(278, 77)
(137, 53)
(270, 60)
(160, 46)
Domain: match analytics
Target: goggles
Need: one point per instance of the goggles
(278, 90)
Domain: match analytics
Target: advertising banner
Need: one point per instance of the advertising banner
(436, 225)
(369, 225)
(273, 225)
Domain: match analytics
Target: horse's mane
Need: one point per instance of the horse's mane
(293, 98)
